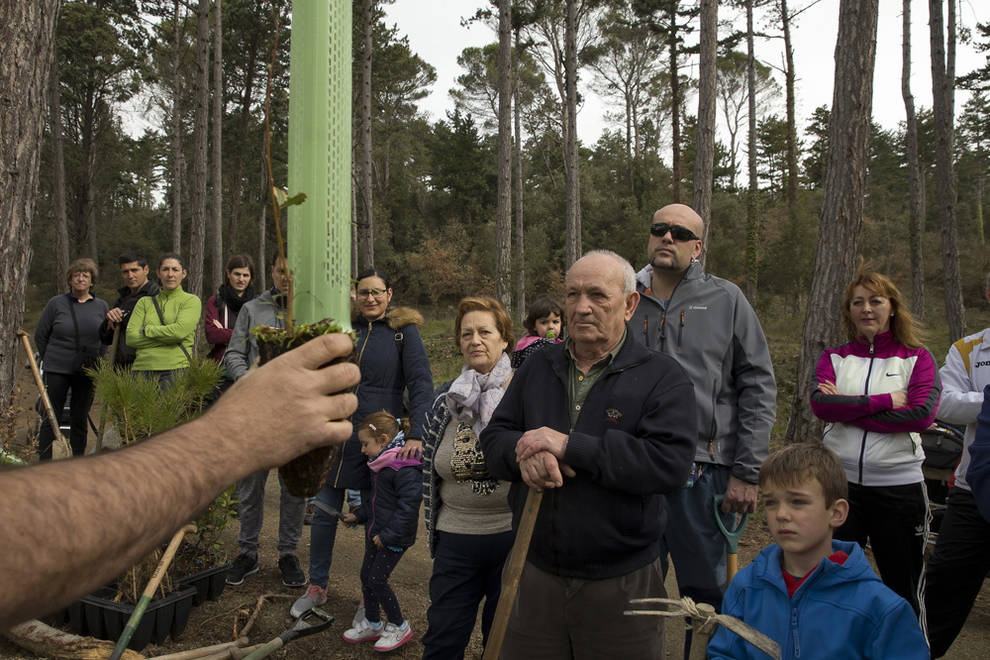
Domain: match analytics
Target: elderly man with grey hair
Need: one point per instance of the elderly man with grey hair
(605, 427)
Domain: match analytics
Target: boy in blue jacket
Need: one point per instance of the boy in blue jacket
(812, 595)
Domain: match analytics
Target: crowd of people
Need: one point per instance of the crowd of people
(631, 408)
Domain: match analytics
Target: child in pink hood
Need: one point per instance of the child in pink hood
(391, 519)
(543, 324)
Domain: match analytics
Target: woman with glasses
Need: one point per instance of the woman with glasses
(393, 361)
(68, 341)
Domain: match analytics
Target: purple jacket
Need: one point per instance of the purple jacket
(878, 444)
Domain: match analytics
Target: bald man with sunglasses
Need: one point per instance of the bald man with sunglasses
(707, 325)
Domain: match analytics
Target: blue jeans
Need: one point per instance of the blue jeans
(696, 545)
(323, 531)
(467, 568)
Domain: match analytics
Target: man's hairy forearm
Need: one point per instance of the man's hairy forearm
(140, 496)
(70, 526)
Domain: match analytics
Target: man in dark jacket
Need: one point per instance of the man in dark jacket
(134, 273)
(605, 427)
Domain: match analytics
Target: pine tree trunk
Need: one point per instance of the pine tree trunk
(503, 208)
(842, 207)
(261, 268)
(793, 219)
(752, 210)
(58, 183)
(573, 178)
(177, 164)
(942, 97)
(519, 258)
(675, 108)
(27, 34)
(89, 204)
(217, 156)
(368, 228)
(917, 216)
(197, 229)
(704, 162)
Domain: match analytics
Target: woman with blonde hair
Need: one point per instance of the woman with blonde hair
(877, 392)
(68, 340)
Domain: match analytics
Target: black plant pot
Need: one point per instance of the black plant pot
(97, 615)
(209, 584)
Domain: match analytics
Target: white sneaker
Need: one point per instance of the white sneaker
(394, 636)
(365, 631)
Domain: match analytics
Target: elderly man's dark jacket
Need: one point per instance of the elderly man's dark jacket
(633, 441)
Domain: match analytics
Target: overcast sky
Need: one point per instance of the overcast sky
(435, 34)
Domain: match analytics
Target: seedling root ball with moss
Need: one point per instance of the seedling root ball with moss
(304, 476)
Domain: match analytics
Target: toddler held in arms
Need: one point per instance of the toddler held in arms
(543, 325)
(814, 596)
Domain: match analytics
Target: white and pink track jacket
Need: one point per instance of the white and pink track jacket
(878, 444)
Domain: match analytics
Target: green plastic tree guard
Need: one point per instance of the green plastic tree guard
(319, 231)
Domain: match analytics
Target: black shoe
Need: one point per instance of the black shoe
(292, 575)
(242, 567)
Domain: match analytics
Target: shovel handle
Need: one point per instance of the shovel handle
(52, 419)
(149, 591)
(731, 566)
(731, 535)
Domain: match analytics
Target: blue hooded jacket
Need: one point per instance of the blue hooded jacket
(392, 358)
(839, 611)
(393, 513)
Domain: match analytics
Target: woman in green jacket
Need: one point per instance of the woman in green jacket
(161, 328)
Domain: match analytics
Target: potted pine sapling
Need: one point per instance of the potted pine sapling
(139, 409)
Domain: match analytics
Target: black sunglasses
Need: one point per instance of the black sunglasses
(677, 232)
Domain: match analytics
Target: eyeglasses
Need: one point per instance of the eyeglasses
(678, 233)
(369, 293)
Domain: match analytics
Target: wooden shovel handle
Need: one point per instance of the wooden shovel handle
(511, 573)
(52, 419)
(170, 551)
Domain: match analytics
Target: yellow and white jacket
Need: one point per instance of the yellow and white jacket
(965, 373)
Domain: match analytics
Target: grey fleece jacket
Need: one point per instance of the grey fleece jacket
(243, 349)
(712, 331)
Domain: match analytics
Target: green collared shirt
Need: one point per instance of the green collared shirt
(579, 383)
